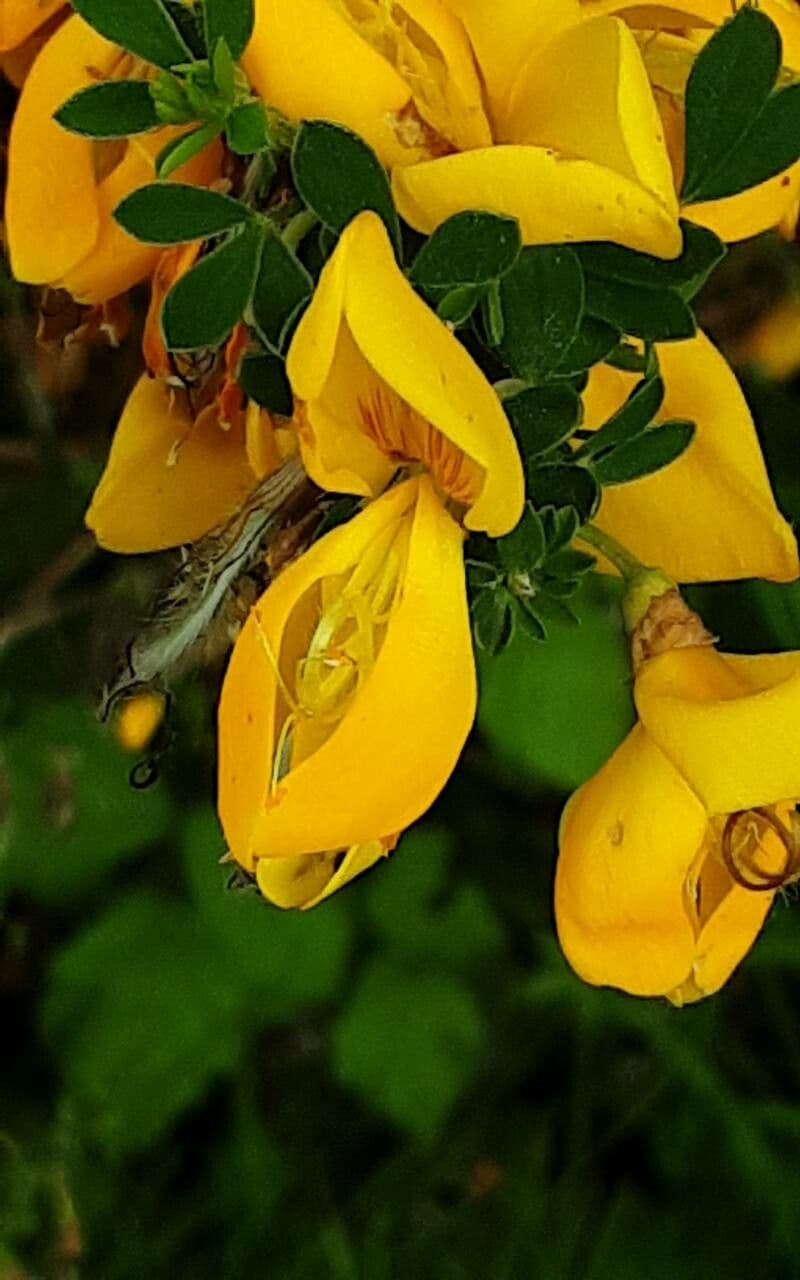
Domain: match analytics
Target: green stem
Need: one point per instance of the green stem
(620, 556)
(298, 228)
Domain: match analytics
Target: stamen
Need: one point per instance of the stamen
(743, 839)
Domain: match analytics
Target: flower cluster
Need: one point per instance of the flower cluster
(419, 281)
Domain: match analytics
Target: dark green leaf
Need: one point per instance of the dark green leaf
(542, 298)
(283, 285)
(731, 80)
(591, 344)
(563, 485)
(568, 563)
(175, 213)
(183, 149)
(657, 315)
(521, 551)
(263, 379)
(543, 417)
(203, 307)
(470, 248)
(246, 129)
(456, 307)
(629, 421)
(702, 251)
(528, 619)
(143, 27)
(493, 620)
(772, 145)
(231, 21)
(190, 24)
(337, 176)
(560, 526)
(116, 109)
(647, 453)
(493, 318)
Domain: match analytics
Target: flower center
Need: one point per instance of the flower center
(405, 436)
(760, 851)
(348, 624)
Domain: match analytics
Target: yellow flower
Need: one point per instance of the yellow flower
(19, 19)
(379, 380)
(671, 855)
(348, 698)
(671, 34)
(62, 188)
(172, 477)
(711, 514)
(588, 165)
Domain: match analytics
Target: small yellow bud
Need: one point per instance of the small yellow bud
(138, 719)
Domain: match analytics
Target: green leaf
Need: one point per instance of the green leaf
(283, 285)
(469, 248)
(656, 315)
(564, 485)
(646, 454)
(143, 27)
(456, 307)
(543, 417)
(246, 129)
(522, 550)
(223, 70)
(770, 147)
(409, 1043)
(179, 151)
(116, 109)
(576, 690)
(175, 213)
(493, 620)
(592, 343)
(543, 300)
(203, 307)
(70, 814)
(729, 86)
(337, 176)
(140, 1042)
(231, 21)
(263, 379)
(702, 252)
(568, 563)
(634, 417)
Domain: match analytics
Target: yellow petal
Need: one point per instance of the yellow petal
(309, 879)
(729, 726)
(556, 199)
(710, 515)
(504, 34)
(386, 332)
(367, 778)
(443, 77)
(117, 261)
(20, 18)
(332, 74)
(613, 121)
(751, 212)
(628, 838)
(51, 212)
(168, 479)
(724, 942)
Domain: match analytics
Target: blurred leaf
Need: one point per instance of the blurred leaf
(115, 109)
(409, 1043)
(284, 960)
(542, 299)
(493, 619)
(420, 912)
(338, 176)
(143, 1017)
(71, 813)
(554, 714)
(468, 249)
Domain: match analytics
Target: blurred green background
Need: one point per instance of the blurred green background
(406, 1081)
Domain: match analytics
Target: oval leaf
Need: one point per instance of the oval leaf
(175, 213)
(282, 287)
(142, 27)
(702, 251)
(644, 455)
(628, 422)
(542, 299)
(769, 147)
(543, 417)
(203, 307)
(116, 109)
(655, 315)
(470, 248)
(338, 176)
